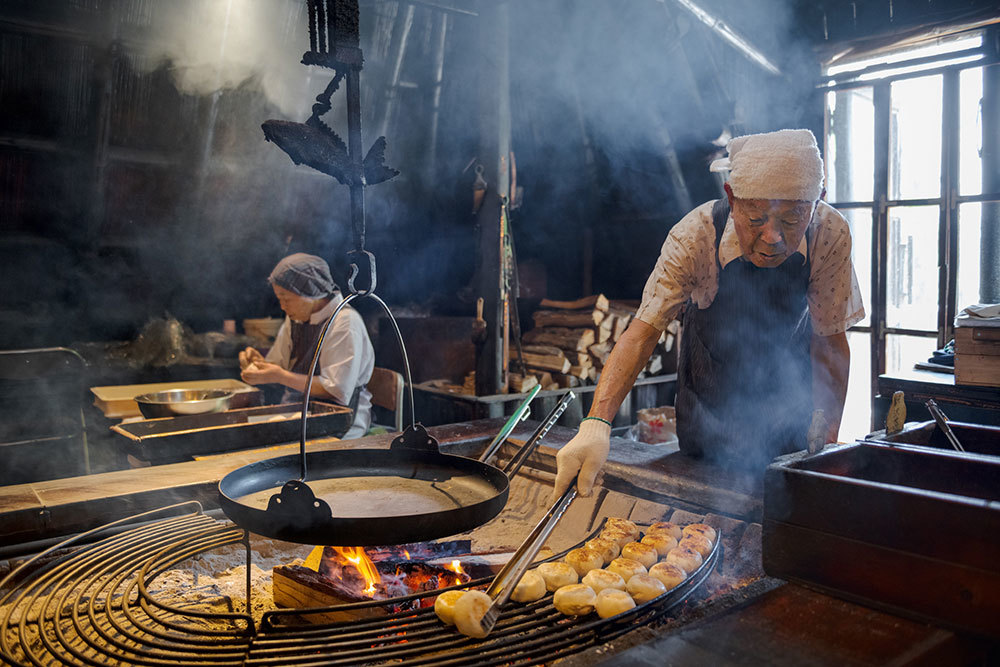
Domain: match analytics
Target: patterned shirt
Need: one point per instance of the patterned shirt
(686, 269)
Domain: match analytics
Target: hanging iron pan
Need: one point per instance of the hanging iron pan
(362, 497)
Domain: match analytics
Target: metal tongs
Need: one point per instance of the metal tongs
(942, 423)
(505, 581)
(520, 414)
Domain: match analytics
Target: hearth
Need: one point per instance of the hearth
(104, 603)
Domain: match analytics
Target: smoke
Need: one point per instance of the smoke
(614, 106)
(218, 45)
(600, 90)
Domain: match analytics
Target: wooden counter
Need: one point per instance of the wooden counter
(42, 510)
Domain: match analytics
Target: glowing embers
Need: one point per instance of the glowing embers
(346, 575)
(395, 574)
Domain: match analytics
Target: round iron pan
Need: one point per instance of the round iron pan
(483, 494)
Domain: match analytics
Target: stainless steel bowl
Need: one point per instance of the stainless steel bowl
(174, 402)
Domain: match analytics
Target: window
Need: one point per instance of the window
(903, 153)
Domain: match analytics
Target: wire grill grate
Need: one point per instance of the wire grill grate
(94, 607)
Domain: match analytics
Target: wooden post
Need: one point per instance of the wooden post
(494, 147)
(989, 255)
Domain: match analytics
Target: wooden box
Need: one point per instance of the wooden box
(173, 439)
(977, 356)
(975, 438)
(912, 530)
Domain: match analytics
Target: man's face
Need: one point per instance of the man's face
(298, 308)
(770, 230)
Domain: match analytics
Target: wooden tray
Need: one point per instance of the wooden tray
(116, 401)
(173, 439)
(910, 529)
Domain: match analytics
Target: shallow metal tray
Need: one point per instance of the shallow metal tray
(174, 439)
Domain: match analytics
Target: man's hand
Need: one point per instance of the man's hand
(249, 356)
(582, 458)
(262, 372)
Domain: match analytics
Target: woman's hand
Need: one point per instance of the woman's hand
(250, 356)
(262, 372)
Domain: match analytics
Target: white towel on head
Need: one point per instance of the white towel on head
(776, 165)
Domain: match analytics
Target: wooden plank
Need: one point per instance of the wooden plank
(655, 364)
(521, 383)
(565, 338)
(565, 380)
(630, 305)
(600, 352)
(579, 359)
(593, 302)
(296, 587)
(977, 340)
(977, 369)
(558, 364)
(567, 318)
(537, 348)
(621, 323)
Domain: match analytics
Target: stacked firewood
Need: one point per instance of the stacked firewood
(571, 341)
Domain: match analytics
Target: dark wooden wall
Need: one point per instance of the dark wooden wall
(123, 197)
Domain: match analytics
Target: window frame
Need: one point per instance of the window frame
(948, 202)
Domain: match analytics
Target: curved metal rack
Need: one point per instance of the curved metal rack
(94, 607)
(524, 634)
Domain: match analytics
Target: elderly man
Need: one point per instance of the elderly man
(768, 291)
(308, 296)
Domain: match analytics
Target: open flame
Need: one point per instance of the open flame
(381, 572)
(364, 565)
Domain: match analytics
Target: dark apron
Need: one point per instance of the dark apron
(744, 377)
(304, 336)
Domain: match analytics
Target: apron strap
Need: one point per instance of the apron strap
(720, 215)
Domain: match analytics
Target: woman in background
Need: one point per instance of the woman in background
(309, 296)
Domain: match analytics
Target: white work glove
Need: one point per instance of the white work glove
(584, 454)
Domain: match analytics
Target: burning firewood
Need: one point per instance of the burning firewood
(354, 574)
(297, 587)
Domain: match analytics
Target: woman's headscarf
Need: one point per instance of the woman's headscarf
(305, 275)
